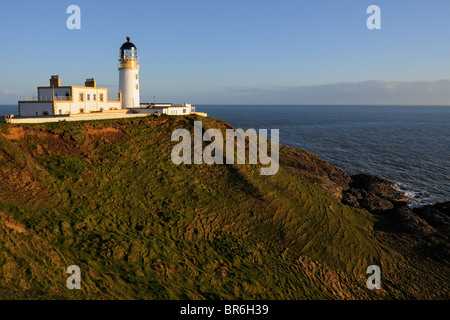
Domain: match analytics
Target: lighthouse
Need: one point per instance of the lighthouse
(76, 103)
(129, 75)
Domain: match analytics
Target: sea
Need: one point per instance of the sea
(409, 145)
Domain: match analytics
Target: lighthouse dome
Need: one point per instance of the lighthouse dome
(127, 45)
(128, 50)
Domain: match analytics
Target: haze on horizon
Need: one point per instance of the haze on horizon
(235, 52)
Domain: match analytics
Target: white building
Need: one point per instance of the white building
(80, 102)
(167, 108)
(66, 100)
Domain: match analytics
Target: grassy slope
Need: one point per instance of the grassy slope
(107, 197)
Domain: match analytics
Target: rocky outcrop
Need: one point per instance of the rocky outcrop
(308, 164)
(374, 194)
(437, 216)
(362, 199)
(406, 220)
(379, 196)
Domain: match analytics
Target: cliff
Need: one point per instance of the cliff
(106, 196)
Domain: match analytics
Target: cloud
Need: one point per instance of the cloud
(12, 96)
(11, 92)
(365, 92)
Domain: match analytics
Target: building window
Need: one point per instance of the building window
(136, 76)
(81, 97)
(101, 109)
(95, 97)
(45, 113)
(137, 86)
(81, 110)
(184, 110)
(88, 97)
(101, 97)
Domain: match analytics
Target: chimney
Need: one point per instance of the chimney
(90, 83)
(55, 81)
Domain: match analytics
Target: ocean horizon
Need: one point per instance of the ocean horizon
(404, 144)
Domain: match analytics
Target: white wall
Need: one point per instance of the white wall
(179, 111)
(79, 117)
(91, 105)
(75, 107)
(127, 85)
(63, 108)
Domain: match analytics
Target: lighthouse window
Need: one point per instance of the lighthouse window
(95, 97)
(81, 97)
(137, 87)
(101, 97)
(136, 76)
(88, 97)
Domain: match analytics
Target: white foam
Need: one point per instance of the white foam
(415, 198)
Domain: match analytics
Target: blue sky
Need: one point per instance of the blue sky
(249, 52)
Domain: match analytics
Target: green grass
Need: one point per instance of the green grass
(141, 227)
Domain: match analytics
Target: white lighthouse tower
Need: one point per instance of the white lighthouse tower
(129, 75)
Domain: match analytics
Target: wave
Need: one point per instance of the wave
(416, 198)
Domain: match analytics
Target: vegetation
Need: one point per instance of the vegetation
(105, 195)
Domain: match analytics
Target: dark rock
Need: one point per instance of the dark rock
(408, 221)
(437, 215)
(351, 198)
(373, 203)
(374, 194)
(377, 186)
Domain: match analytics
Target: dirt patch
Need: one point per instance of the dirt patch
(157, 121)
(15, 181)
(107, 135)
(48, 143)
(224, 127)
(94, 131)
(15, 133)
(43, 142)
(11, 224)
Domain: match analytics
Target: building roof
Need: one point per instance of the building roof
(79, 87)
(128, 45)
